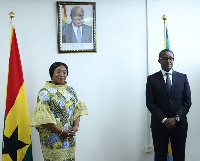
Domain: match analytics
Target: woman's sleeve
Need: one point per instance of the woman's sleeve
(81, 109)
(42, 113)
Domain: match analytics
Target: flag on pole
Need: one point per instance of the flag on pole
(17, 133)
(166, 40)
(167, 46)
(64, 15)
(169, 154)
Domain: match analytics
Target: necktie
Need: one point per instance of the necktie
(168, 83)
(79, 35)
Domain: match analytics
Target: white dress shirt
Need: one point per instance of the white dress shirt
(165, 78)
(75, 29)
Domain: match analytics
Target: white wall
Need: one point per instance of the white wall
(112, 81)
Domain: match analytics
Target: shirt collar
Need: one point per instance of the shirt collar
(75, 27)
(163, 72)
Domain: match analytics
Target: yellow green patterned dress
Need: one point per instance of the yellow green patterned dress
(57, 104)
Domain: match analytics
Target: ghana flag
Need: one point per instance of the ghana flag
(64, 15)
(17, 133)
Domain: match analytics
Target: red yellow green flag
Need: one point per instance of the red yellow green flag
(17, 133)
(64, 15)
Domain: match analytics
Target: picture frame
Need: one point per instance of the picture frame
(76, 27)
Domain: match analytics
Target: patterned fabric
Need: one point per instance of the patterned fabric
(57, 104)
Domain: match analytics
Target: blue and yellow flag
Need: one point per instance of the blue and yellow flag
(166, 40)
(169, 155)
(17, 133)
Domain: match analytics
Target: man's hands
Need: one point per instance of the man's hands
(170, 123)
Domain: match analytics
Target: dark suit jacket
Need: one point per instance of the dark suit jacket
(68, 35)
(161, 104)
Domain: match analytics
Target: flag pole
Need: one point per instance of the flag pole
(166, 46)
(16, 123)
(164, 18)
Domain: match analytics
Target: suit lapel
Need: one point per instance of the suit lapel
(174, 80)
(73, 36)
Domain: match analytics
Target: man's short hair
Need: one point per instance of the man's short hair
(165, 50)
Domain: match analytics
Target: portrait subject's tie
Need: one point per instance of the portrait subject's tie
(79, 35)
(168, 83)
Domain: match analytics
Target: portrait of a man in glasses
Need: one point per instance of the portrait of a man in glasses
(77, 31)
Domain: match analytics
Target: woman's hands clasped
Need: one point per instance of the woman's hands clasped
(67, 134)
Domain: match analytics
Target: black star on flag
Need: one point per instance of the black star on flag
(12, 144)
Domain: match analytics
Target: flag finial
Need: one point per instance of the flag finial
(164, 17)
(11, 15)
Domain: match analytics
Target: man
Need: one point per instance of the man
(76, 31)
(169, 104)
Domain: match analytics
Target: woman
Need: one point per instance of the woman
(57, 116)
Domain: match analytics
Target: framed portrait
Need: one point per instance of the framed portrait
(76, 22)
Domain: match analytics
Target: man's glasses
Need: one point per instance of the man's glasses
(166, 59)
(78, 15)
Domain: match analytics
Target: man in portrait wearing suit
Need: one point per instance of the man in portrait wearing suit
(168, 98)
(76, 31)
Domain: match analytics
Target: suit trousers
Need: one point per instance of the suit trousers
(161, 140)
